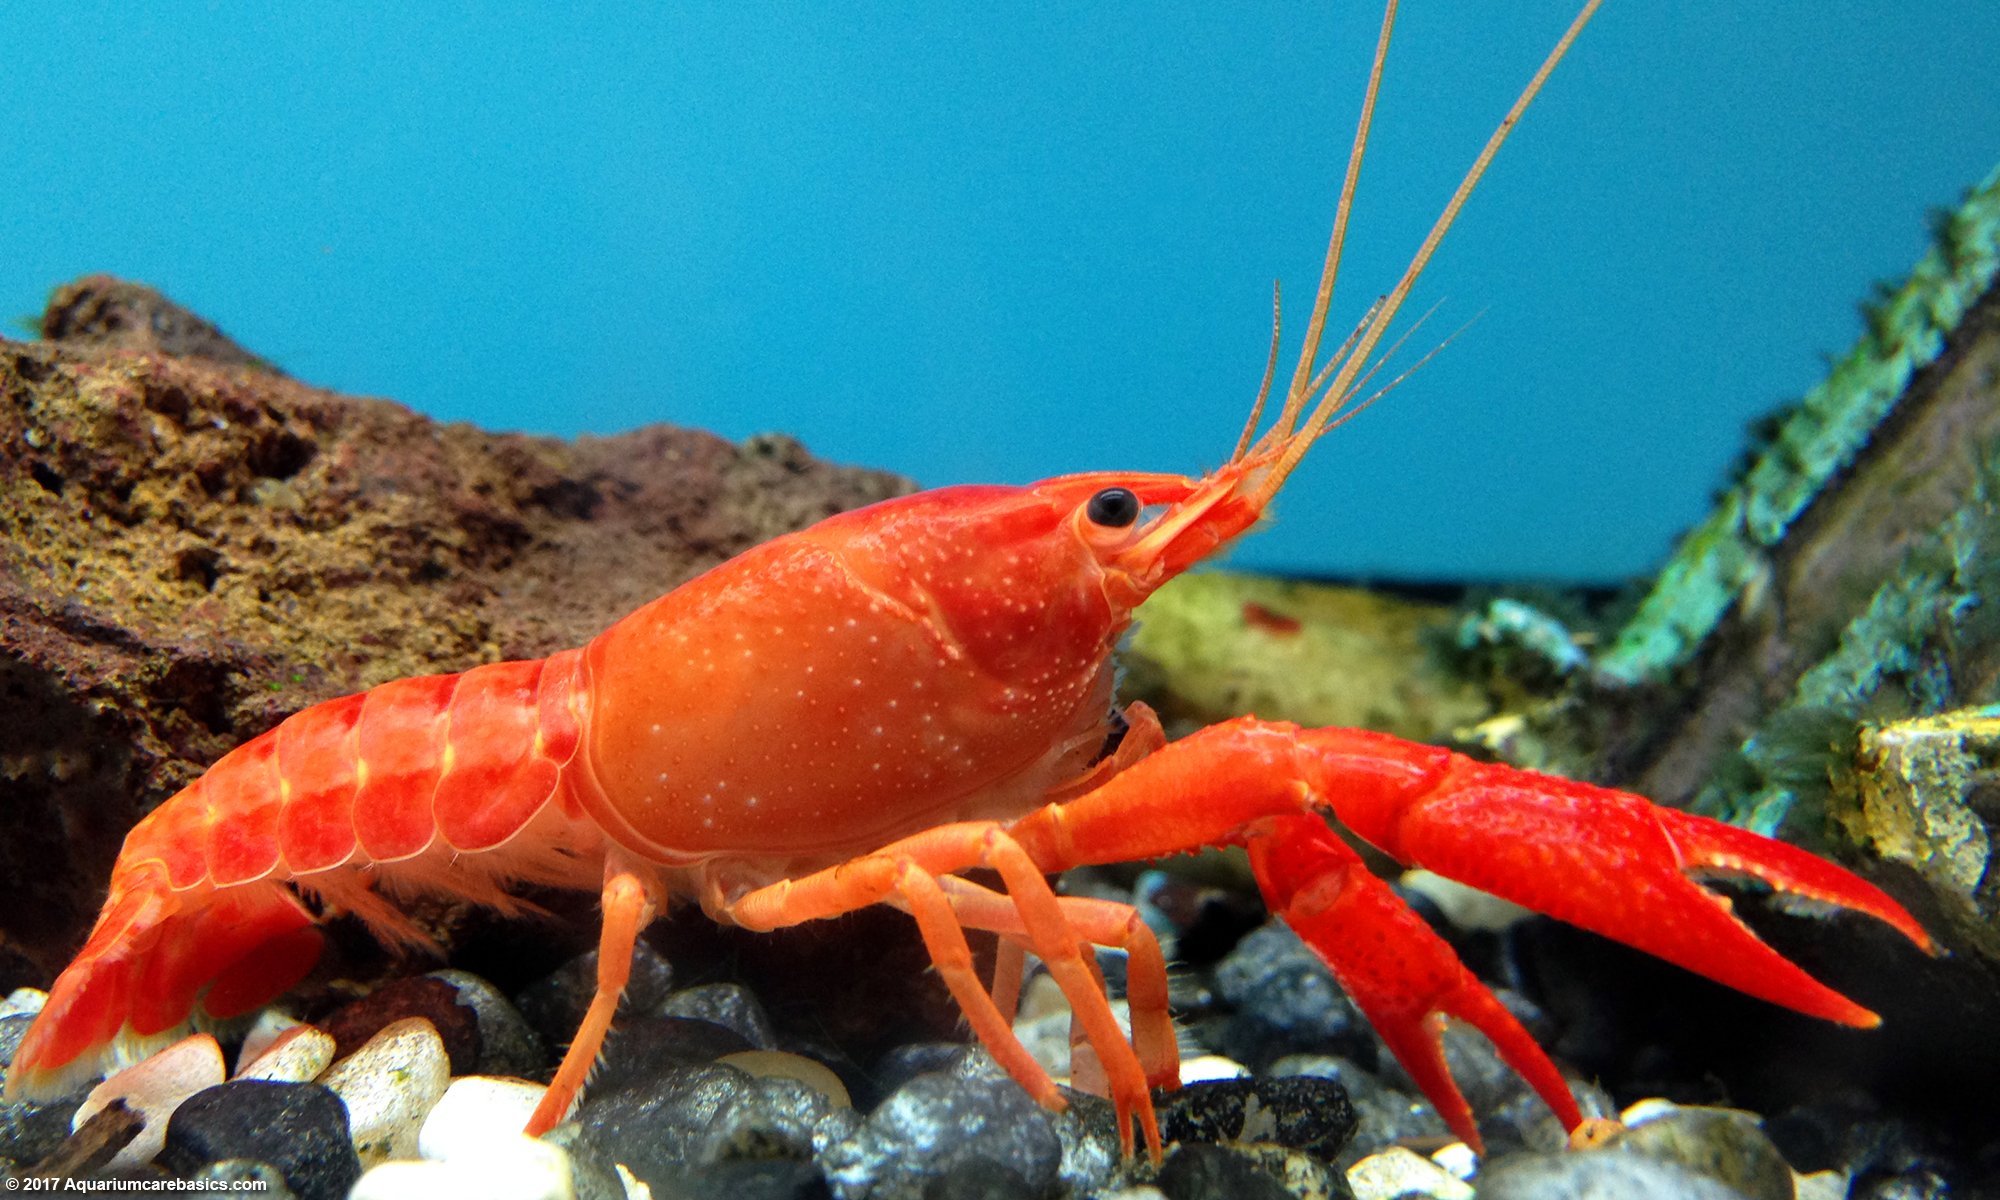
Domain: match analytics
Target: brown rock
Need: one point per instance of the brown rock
(192, 548)
(432, 999)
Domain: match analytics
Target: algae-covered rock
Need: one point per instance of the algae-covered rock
(1834, 520)
(1923, 794)
(1217, 644)
(192, 547)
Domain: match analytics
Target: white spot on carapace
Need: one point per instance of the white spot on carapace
(656, 729)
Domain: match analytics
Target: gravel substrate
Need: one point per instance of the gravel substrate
(703, 1093)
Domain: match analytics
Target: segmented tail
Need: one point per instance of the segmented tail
(157, 959)
(439, 784)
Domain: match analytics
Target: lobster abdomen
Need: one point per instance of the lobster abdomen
(200, 923)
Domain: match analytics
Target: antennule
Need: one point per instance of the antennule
(1340, 389)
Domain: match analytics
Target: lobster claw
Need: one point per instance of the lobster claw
(1396, 970)
(1607, 861)
(1621, 866)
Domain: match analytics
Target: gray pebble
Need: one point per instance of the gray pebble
(30, 1130)
(592, 1175)
(903, 1063)
(1385, 1115)
(508, 1045)
(640, 1049)
(1088, 1130)
(1285, 1001)
(932, 1124)
(1595, 1175)
(729, 1005)
(554, 1005)
(686, 1119)
(1724, 1144)
(1206, 1172)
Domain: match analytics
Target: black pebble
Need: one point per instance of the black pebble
(1216, 1173)
(299, 1128)
(1301, 1112)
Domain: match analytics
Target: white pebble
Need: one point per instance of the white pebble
(25, 1001)
(390, 1085)
(476, 1111)
(521, 1169)
(635, 1187)
(1820, 1185)
(1396, 1172)
(154, 1089)
(271, 1024)
(1204, 1067)
(1457, 1158)
(300, 1054)
(1652, 1108)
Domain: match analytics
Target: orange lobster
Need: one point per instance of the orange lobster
(857, 713)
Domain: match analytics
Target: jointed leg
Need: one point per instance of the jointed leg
(1009, 962)
(1101, 923)
(951, 848)
(628, 909)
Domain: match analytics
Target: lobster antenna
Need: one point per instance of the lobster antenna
(1270, 369)
(1382, 360)
(1340, 354)
(1349, 412)
(1339, 391)
(1298, 394)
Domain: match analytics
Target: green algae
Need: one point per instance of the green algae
(1924, 644)
(1906, 331)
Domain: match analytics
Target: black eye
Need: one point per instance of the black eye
(1113, 508)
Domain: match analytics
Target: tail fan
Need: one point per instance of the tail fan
(158, 961)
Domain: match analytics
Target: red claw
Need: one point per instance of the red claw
(1618, 865)
(1398, 972)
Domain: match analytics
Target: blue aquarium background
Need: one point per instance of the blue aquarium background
(992, 242)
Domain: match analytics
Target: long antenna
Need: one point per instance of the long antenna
(1338, 391)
